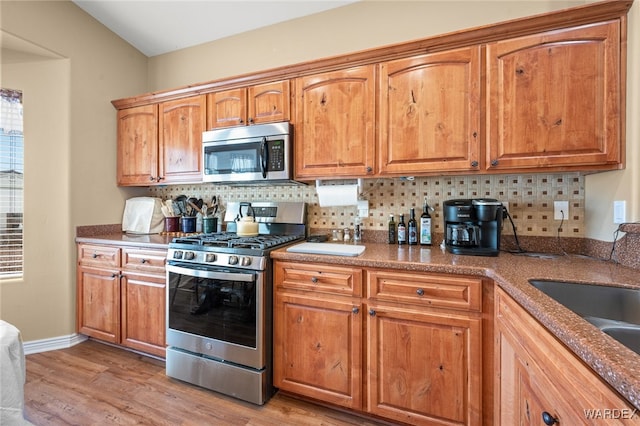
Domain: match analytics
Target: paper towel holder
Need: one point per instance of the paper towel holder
(360, 185)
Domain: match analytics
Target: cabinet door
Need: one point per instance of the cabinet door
(424, 368)
(334, 124)
(227, 108)
(317, 349)
(138, 146)
(143, 313)
(182, 122)
(539, 374)
(98, 303)
(269, 102)
(555, 100)
(430, 113)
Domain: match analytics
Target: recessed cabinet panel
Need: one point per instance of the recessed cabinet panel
(430, 113)
(180, 149)
(138, 145)
(335, 125)
(554, 99)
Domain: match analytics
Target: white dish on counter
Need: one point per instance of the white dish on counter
(333, 249)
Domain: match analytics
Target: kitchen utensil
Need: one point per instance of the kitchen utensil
(181, 202)
(195, 209)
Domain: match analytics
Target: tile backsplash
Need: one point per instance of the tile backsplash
(530, 199)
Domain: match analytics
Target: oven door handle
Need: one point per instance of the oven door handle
(215, 275)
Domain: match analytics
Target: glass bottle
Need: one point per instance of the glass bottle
(392, 230)
(402, 231)
(412, 228)
(425, 225)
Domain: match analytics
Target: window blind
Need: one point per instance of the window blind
(11, 183)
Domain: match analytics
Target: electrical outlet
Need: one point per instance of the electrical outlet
(505, 204)
(560, 210)
(619, 211)
(363, 208)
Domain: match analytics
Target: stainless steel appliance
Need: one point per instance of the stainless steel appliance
(258, 154)
(219, 302)
(473, 226)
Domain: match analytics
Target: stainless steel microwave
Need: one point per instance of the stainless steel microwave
(261, 153)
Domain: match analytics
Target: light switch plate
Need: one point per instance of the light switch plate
(619, 211)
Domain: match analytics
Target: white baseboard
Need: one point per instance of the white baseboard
(44, 345)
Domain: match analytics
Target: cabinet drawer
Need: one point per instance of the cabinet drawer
(321, 278)
(426, 289)
(144, 260)
(98, 256)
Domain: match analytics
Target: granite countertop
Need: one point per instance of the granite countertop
(159, 241)
(614, 362)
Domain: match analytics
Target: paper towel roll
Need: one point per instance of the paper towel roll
(337, 195)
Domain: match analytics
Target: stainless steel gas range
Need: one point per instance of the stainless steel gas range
(219, 302)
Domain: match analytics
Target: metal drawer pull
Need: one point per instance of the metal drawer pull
(355, 310)
(372, 312)
(314, 280)
(420, 292)
(94, 255)
(143, 260)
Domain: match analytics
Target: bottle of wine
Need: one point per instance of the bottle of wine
(413, 228)
(402, 231)
(392, 230)
(425, 225)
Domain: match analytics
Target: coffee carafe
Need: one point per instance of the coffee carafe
(473, 226)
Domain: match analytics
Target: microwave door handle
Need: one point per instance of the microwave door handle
(264, 157)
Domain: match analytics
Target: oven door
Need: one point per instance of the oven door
(217, 312)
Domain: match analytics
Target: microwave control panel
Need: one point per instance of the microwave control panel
(276, 160)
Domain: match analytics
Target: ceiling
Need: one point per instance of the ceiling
(155, 27)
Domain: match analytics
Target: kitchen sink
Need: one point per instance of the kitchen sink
(614, 310)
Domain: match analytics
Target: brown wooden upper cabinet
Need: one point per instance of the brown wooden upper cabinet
(161, 143)
(263, 103)
(430, 113)
(554, 100)
(334, 124)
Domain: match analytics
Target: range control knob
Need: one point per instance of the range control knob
(246, 261)
(177, 254)
(189, 255)
(210, 257)
(233, 260)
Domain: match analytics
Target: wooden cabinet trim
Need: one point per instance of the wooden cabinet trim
(571, 17)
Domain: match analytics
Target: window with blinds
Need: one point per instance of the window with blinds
(11, 184)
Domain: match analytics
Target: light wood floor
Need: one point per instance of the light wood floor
(96, 384)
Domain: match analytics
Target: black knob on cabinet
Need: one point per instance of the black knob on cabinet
(94, 255)
(474, 164)
(143, 260)
(494, 163)
(151, 178)
(314, 279)
(548, 419)
(420, 292)
(372, 312)
(355, 310)
(369, 169)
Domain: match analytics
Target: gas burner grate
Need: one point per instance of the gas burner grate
(232, 240)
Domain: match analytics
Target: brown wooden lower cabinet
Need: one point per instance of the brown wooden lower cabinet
(539, 377)
(405, 356)
(121, 296)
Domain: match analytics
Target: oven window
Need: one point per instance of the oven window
(219, 309)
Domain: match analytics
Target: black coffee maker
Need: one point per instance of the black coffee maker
(473, 226)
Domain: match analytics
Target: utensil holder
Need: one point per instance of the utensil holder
(188, 224)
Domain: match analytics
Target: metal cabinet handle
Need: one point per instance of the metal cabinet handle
(114, 275)
(143, 260)
(420, 292)
(151, 178)
(355, 310)
(369, 169)
(94, 255)
(548, 419)
(474, 164)
(372, 312)
(494, 163)
(314, 279)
